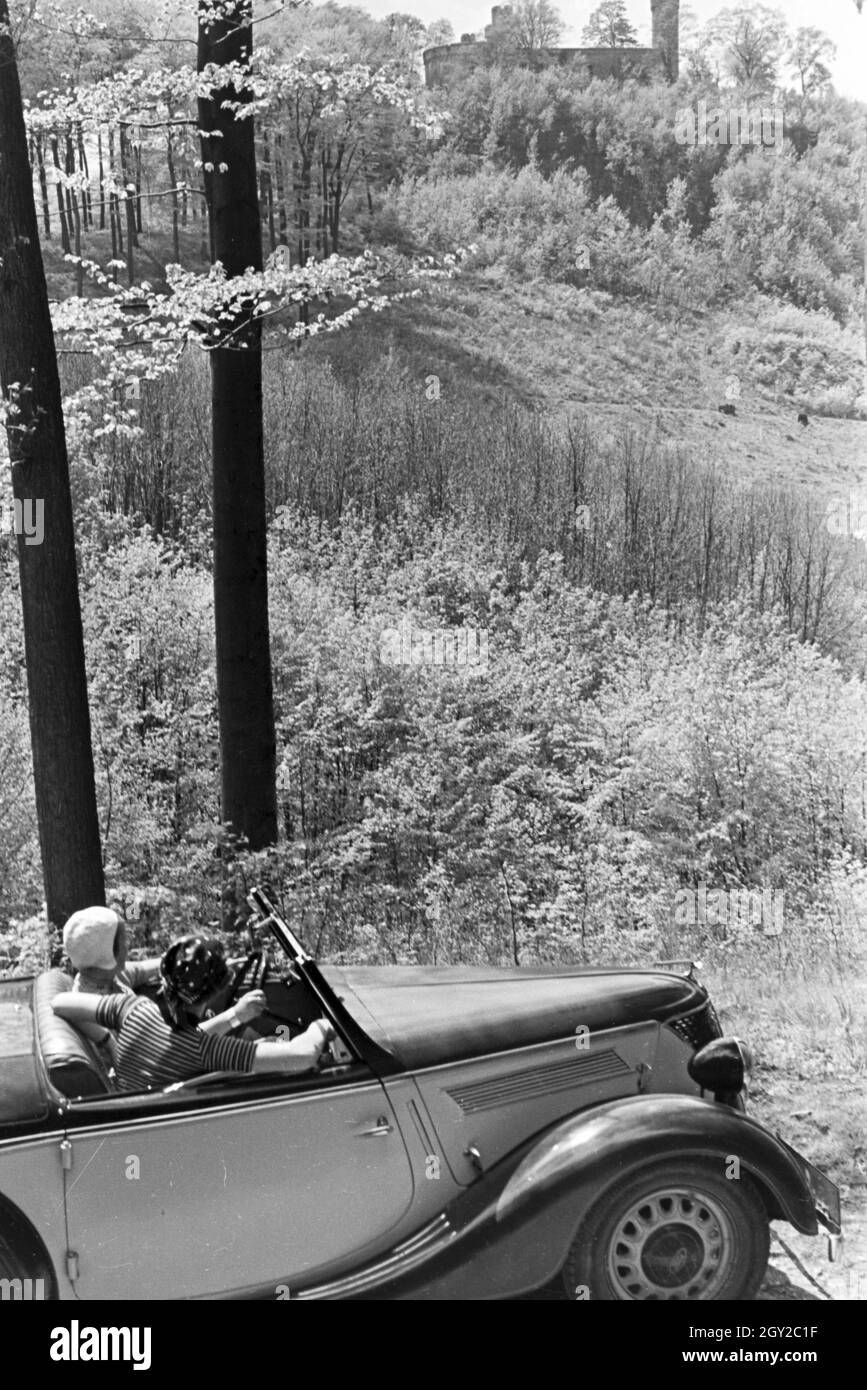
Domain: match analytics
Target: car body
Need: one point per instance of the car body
(477, 1133)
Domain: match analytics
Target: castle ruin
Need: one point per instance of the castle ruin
(449, 63)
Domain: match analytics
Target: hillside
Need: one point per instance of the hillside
(563, 349)
(624, 361)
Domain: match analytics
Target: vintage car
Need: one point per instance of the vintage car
(474, 1133)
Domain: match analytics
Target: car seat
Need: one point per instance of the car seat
(72, 1061)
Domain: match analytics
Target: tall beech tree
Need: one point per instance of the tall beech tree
(139, 332)
(244, 685)
(54, 647)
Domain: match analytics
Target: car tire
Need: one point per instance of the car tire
(671, 1231)
(21, 1254)
(11, 1266)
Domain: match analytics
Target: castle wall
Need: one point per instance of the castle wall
(449, 63)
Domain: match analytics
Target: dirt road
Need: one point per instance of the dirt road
(799, 1268)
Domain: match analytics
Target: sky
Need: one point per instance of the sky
(839, 19)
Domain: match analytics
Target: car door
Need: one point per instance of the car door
(232, 1192)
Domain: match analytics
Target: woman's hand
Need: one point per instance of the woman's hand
(301, 1054)
(250, 1006)
(322, 1032)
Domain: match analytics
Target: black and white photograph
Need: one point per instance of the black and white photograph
(433, 664)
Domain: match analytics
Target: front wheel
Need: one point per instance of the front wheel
(671, 1231)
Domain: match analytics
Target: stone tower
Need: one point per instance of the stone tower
(666, 35)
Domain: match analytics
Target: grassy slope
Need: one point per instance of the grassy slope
(559, 348)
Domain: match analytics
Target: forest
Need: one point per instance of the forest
(674, 689)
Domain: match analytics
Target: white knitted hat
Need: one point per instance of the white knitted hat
(88, 938)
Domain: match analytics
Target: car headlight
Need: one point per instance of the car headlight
(722, 1066)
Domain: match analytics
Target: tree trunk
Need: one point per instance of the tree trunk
(101, 177)
(61, 209)
(70, 192)
(303, 187)
(53, 642)
(268, 176)
(74, 218)
(336, 199)
(322, 220)
(137, 166)
(280, 179)
(131, 240)
(176, 243)
(43, 187)
(86, 198)
(205, 247)
(244, 691)
(129, 202)
(79, 268)
(114, 205)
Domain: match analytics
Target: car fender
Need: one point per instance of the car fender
(511, 1231)
(599, 1147)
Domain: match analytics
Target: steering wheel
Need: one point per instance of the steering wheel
(256, 966)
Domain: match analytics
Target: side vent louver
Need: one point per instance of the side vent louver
(539, 1080)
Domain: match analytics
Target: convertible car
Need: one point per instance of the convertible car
(473, 1133)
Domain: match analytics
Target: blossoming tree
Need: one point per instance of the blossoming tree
(137, 333)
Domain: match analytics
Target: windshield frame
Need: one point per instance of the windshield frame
(356, 1039)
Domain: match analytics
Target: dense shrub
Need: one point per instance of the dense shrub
(546, 805)
(804, 355)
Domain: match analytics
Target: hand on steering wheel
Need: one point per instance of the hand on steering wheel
(250, 1005)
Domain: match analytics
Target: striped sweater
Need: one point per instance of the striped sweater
(151, 1055)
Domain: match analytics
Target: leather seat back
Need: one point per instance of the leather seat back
(73, 1063)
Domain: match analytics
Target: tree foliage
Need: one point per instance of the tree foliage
(809, 52)
(609, 26)
(751, 41)
(538, 24)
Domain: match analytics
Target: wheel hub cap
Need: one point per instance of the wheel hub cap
(673, 1244)
(672, 1256)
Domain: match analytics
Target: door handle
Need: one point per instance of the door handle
(382, 1126)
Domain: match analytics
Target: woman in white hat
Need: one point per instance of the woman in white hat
(94, 940)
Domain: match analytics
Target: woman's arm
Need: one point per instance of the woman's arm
(218, 1025)
(143, 973)
(248, 1007)
(301, 1054)
(77, 1008)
